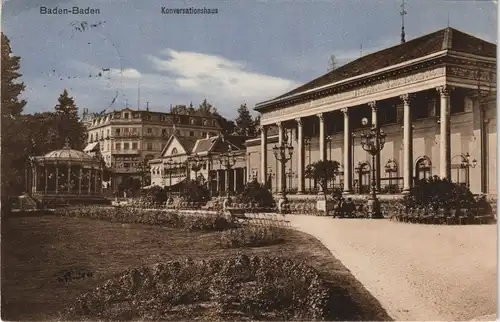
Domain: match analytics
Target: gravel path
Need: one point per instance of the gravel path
(417, 272)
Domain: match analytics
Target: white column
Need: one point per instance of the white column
(407, 144)
(300, 155)
(235, 179)
(279, 171)
(263, 154)
(322, 145)
(69, 177)
(444, 135)
(347, 153)
(217, 173)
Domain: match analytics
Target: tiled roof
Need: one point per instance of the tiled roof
(447, 38)
(204, 145)
(219, 144)
(187, 142)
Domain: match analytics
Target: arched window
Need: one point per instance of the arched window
(423, 168)
(205, 122)
(174, 151)
(192, 121)
(363, 177)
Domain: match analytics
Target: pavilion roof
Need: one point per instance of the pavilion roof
(448, 38)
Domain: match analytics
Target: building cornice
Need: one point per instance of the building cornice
(367, 76)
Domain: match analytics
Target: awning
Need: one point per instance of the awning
(91, 147)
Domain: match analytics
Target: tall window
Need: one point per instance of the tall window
(191, 133)
(150, 130)
(126, 146)
(118, 146)
(134, 145)
(117, 131)
(457, 102)
(125, 115)
(150, 146)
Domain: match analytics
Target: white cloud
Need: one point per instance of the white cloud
(178, 78)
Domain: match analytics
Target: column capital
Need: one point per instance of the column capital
(345, 110)
(299, 121)
(444, 91)
(321, 117)
(407, 98)
(279, 124)
(262, 128)
(373, 105)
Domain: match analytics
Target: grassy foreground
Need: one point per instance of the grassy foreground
(47, 262)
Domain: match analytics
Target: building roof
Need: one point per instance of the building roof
(443, 39)
(220, 144)
(187, 142)
(67, 154)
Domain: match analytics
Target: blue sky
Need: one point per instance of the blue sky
(248, 52)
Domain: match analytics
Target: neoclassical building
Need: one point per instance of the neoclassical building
(434, 97)
(217, 161)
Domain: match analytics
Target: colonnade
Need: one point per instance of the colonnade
(406, 99)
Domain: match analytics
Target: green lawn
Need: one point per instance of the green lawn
(35, 250)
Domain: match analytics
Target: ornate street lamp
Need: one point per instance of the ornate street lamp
(283, 154)
(196, 165)
(373, 142)
(467, 164)
(290, 174)
(228, 160)
(307, 142)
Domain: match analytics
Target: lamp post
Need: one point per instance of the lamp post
(329, 139)
(290, 174)
(307, 142)
(170, 163)
(390, 168)
(467, 164)
(195, 165)
(228, 160)
(373, 142)
(283, 153)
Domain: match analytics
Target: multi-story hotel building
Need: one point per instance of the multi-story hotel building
(127, 139)
(434, 97)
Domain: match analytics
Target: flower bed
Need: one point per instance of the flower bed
(166, 218)
(251, 236)
(264, 288)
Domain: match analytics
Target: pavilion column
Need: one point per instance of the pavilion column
(217, 178)
(69, 178)
(46, 178)
(95, 180)
(444, 135)
(90, 180)
(279, 170)
(347, 152)
(375, 124)
(300, 155)
(57, 178)
(263, 154)
(227, 180)
(33, 181)
(80, 181)
(235, 179)
(407, 144)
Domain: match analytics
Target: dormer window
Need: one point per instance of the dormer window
(205, 122)
(213, 122)
(163, 118)
(192, 121)
(125, 116)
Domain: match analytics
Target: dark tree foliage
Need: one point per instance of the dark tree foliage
(323, 172)
(257, 193)
(67, 123)
(156, 195)
(14, 142)
(245, 125)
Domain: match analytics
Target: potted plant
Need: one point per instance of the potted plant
(322, 172)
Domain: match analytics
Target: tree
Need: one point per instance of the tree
(206, 109)
(14, 143)
(11, 105)
(245, 125)
(322, 172)
(67, 123)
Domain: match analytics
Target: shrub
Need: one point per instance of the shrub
(195, 192)
(251, 236)
(437, 193)
(153, 196)
(256, 193)
(263, 288)
(166, 218)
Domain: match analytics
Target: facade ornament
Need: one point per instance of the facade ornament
(299, 121)
(406, 98)
(373, 105)
(321, 116)
(345, 110)
(444, 91)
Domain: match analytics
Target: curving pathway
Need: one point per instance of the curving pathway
(417, 272)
